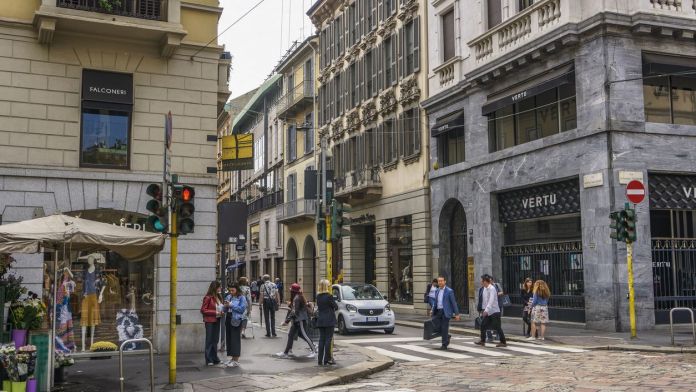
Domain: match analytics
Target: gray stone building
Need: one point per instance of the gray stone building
(540, 113)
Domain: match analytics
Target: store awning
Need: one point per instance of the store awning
(57, 231)
(451, 121)
(536, 86)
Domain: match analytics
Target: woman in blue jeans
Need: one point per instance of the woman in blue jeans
(211, 309)
(236, 307)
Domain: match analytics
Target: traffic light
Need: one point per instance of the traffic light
(631, 235)
(321, 229)
(184, 196)
(338, 220)
(614, 225)
(158, 220)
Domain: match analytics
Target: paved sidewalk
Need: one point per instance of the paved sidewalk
(657, 339)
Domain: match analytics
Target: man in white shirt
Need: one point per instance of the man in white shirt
(491, 311)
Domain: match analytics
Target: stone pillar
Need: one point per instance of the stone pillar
(421, 245)
(354, 255)
(381, 261)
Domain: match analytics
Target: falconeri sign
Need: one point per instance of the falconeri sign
(103, 86)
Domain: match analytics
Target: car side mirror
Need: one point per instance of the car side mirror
(337, 299)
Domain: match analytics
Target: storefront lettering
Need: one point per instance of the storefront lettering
(689, 192)
(539, 201)
(519, 96)
(106, 90)
(661, 264)
(134, 226)
(364, 218)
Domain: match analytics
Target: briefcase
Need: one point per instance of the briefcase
(430, 330)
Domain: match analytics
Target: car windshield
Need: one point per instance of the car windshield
(361, 292)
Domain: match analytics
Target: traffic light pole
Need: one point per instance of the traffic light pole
(172, 298)
(631, 292)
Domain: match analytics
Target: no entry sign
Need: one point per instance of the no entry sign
(635, 191)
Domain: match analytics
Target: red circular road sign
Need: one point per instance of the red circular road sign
(635, 191)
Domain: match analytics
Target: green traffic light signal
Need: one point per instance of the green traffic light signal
(631, 235)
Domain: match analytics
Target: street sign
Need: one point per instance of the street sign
(635, 191)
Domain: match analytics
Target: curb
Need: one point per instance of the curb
(375, 363)
(611, 347)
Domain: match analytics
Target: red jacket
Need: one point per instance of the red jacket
(209, 309)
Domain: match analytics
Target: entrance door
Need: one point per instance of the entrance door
(370, 255)
(458, 252)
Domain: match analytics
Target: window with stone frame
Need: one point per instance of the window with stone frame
(370, 75)
(411, 46)
(390, 141)
(309, 133)
(354, 84)
(389, 48)
(448, 34)
(370, 148)
(669, 99)
(410, 132)
(292, 143)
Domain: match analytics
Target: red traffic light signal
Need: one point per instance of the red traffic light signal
(185, 208)
(187, 193)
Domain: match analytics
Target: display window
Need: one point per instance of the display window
(400, 251)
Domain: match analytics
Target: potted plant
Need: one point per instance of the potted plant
(61, 361)
(26, 315)
(20, 364)
(109, 5)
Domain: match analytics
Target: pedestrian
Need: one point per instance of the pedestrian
(236, 308)
(491, 312)
(246, 292)
(479, 308)
(297, 317)
(526, 296)
(540, 308)
(279, 286)
(254, 290)
(270, 303)
(429, 295)
(259, 283)
(326, 322)
(444, 308)
(212, 311)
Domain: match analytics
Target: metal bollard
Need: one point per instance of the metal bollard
(152, 363)
(671, 322)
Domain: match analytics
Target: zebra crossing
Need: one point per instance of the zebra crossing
(415, 349)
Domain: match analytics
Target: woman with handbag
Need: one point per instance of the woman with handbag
(297, 317)
(212, 310)
(326, 322)
(236, 307)
(526, 296)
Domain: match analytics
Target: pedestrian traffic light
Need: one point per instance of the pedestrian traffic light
(158, 220)
(185, 209)
(631, 235)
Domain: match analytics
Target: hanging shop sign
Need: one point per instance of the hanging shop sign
(238, 152)
(102, 86)
(543, 200)
(672, 191)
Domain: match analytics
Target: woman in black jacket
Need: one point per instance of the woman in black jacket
(326, 322)
(526, 296)
(297, 318)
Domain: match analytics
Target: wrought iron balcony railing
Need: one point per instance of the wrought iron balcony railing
(144, 9)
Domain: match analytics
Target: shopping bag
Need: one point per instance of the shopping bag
(431, 329)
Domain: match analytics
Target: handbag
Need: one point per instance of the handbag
(430, 330)
(234, 322)
(477, 322)
(506, 300)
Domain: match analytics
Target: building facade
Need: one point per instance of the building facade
(296, 111)
(261, 187)
(540, 113)
(84, 87)
(372, 77)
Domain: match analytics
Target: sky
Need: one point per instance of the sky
(260, 39)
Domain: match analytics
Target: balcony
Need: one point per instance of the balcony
(147, 21)
(296, 211)
(359, 186)
(296, 99)
(265, 202)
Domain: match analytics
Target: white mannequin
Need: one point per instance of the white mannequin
(91, 268)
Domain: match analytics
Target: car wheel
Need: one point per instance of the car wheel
(342, 329)
(389, 331)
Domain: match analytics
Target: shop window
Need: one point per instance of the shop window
(450, 147)
(448, 35)
(550, 229)
(547, 113)
(669, 99)
(254, 236)
(400, 259)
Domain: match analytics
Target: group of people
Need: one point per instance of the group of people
(535, 314)
(233, 310)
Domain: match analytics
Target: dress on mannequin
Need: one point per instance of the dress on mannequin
(91, 290)
(65, 340)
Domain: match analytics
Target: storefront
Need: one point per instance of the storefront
(542, 239)
(400, 259)
(673, 243)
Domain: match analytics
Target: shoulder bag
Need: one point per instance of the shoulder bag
(276, 306)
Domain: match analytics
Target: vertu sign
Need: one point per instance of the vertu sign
(540, 200)
(672, 191)
(104, 86)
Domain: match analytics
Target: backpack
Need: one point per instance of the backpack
(254, 287)
(426, 296)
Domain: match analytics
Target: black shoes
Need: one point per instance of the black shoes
(480, 343)
(443, 348)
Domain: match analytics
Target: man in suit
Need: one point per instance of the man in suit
(444, 308)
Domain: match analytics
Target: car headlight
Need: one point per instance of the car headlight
(351, 308)
(387, 307)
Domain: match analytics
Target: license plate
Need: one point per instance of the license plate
(372, 319)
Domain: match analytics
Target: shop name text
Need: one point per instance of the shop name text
(106, 90)
(689, 192)
(539, 201)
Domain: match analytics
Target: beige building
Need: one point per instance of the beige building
(84, 87)
(373, 74)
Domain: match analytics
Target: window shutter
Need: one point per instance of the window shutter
(401, 130)
(373, 12)
(373, 65)
(416, 44)
(347, 27)
(346, 90)
(417, 131)
(380, 67)
(380, 10)
(401, 60)
(361, 78)
(393, 65)
(360, 19)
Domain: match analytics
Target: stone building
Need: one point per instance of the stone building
(372, 75)
(540, 112)
(84, 87)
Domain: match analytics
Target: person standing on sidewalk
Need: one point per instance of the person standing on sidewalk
(236, 307)
(298, 317)
(540, 308)
(491, 312)
(212, 310)
(326, 322)
(246, 292)
(444, 308)
(270, 303)
(526, 296)
(279, 286)
(429, 296)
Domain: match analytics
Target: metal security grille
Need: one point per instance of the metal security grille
(559, 264)
(674, 273)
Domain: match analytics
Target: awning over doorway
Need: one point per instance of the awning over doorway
(451, 121)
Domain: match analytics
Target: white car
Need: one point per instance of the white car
(361, 307)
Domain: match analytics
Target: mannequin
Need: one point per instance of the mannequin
(64, 333)
(93, 291)
(127, 322)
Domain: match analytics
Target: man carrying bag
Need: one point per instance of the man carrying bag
(444, 308)
(270, 304)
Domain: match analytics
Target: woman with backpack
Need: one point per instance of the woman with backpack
(236, 307)
(212, 310)
(298, 315)
(540, 308)
(326, 322)
(526, 296)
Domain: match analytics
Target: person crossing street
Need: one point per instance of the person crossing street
(444, 308)
(491, 312)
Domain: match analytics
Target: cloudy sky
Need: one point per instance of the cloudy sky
(259, 40)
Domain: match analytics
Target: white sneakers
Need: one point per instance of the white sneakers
(533, 338)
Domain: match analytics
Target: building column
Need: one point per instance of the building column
(382, 259)
(354, 255)
(421, 245)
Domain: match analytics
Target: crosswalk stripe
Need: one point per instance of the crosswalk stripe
(382, 340)
(492, 353)
(396, 355)
(526, 350)
(425, 350)
(550, 347)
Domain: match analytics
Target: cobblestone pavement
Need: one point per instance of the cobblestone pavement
(593, 371)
